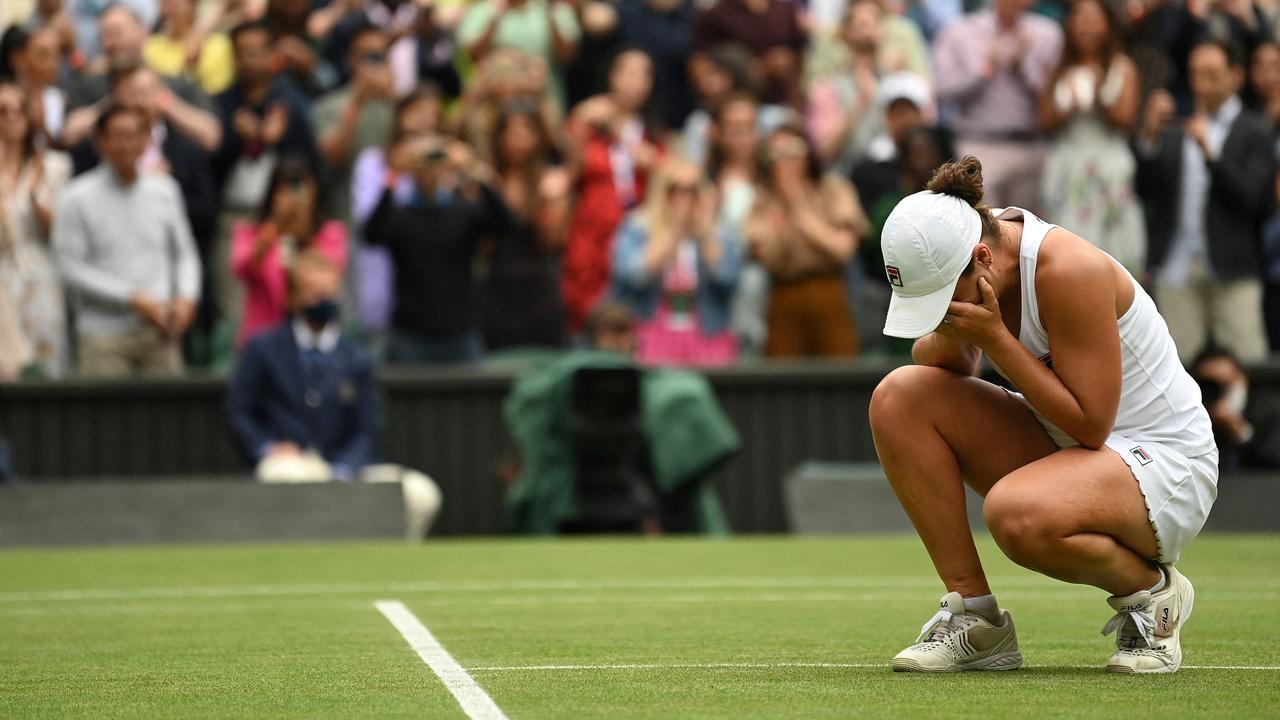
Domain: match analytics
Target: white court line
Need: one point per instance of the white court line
(214, 591)
(784, 665)
(475, 702)
(1027, 584)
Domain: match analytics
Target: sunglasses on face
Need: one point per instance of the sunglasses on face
(682, 189)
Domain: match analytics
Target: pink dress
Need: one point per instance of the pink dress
(672, 337)
(266, 302)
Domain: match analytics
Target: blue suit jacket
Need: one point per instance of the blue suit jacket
(272, 398)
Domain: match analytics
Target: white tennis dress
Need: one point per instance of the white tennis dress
(1162, 429)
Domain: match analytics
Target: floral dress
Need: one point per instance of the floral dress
(28, 274)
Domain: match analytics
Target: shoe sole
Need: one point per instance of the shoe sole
(1176, 639)
(1004, 661)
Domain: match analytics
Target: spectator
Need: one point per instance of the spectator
(169, 151)
(296, 50)
(1207, 185)
(664, 29)
(733, 169)
(429, 54)
(1091, 105)
(291, 222)
(902, 47)
(127, 255)
(676, 269)
(357, 115)
(907, 104)
(33, 59)
(418, 114)
(184, 105)
(804, 229)
(181, 48)
(600, 39)
(546, 30)
(522, 305)
(992, 66)
(922, 150)
(717, 75)
(1246, 423)
(263, 118)
(770, 29)
(505, 76)
(52, 14)
(87, 17)
(434, 318)
(1264, 83)
(611, 327)
(617, 142)
(30, 180)
(842, 113)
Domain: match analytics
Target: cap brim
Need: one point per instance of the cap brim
(913, 317)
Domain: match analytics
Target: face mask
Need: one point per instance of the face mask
(321, 312)
(1237, 398)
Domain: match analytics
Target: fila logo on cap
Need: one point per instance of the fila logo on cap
(1143, 457)
(894, 275)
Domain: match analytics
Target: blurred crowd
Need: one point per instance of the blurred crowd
(707, 178)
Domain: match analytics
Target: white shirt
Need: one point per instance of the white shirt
(1190, 247)
(325, 341)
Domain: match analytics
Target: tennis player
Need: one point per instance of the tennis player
(1099, 471)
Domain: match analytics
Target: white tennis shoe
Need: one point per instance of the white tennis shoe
(1148, 625)
(956, 641)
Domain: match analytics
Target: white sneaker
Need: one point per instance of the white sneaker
(954, 641)
(1147, 626)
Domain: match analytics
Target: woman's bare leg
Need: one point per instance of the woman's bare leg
(1078, 516)
(934, 430)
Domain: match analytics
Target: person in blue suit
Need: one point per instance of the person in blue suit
(301, 401)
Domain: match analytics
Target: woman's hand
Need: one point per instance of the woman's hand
(978, 324)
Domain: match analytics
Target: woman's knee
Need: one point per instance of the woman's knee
(1022, 525)
(900, 396)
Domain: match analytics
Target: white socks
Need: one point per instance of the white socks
(985, 607)
(1164, 580)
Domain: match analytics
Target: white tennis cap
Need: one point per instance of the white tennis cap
(927, 243)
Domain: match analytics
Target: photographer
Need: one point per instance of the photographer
(1246, 425)
(358, 115)
(433, 241)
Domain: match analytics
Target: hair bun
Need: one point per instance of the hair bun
(960, 178)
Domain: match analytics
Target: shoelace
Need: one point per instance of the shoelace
(1144, 625)
(943, 622)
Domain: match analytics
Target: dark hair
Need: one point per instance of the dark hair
(426, 90)
(736, 61)
(364, 27)
(1113, 45)
(14, 41)
(249, 26)
(1229, 48)
(28, 142)
(1214, 351)
(813, 166)
(517, 108)
(715, 158)
(651, 111)
(963, 179)
(291, 169)
(112, 110)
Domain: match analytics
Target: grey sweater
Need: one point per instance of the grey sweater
(113, 240)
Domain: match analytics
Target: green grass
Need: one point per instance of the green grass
(291, 631)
